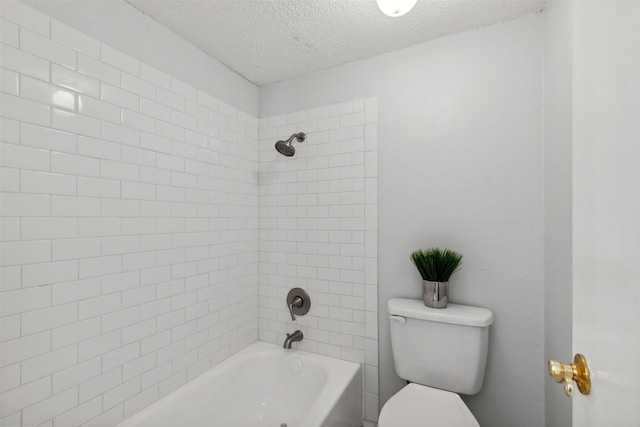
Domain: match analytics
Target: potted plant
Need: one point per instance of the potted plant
(436, 267)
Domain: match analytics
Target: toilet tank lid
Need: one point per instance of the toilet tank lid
(454, 313)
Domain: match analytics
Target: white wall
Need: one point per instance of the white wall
(129, 228)
(460, 128)
(123, 27)
(318, 231)
(557, 189)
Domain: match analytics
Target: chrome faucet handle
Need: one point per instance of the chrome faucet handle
(297, 302)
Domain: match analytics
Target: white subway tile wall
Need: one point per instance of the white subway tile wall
(319, 231)
(129, 229)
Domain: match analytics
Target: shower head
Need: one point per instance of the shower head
(286, 147)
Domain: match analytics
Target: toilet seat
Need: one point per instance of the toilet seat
(417, 406)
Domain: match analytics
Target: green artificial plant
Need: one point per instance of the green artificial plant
(435, 264)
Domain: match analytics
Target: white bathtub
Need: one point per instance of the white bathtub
(263, 385)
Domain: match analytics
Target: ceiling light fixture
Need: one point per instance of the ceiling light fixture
(395, 8)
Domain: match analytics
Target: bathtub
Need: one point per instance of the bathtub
(263, 385)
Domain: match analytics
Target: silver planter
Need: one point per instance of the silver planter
(436, 294)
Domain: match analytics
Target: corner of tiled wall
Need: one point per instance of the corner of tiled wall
(319, 231)
(129, 204)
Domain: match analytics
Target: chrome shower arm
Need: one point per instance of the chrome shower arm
(300, 137)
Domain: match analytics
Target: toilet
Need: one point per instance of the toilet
(441, 352)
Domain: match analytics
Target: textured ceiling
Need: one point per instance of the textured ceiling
(271, 40)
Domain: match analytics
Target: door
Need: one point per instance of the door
(606, 210)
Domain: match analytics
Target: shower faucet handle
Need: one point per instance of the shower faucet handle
(298, 302)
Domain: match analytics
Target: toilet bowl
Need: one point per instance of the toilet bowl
(417, 405)
(441, 352)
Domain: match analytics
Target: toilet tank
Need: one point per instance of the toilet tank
(445, 348)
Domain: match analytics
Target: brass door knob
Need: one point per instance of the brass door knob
(578, 371)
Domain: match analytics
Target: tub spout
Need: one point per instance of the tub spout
(296, 336)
